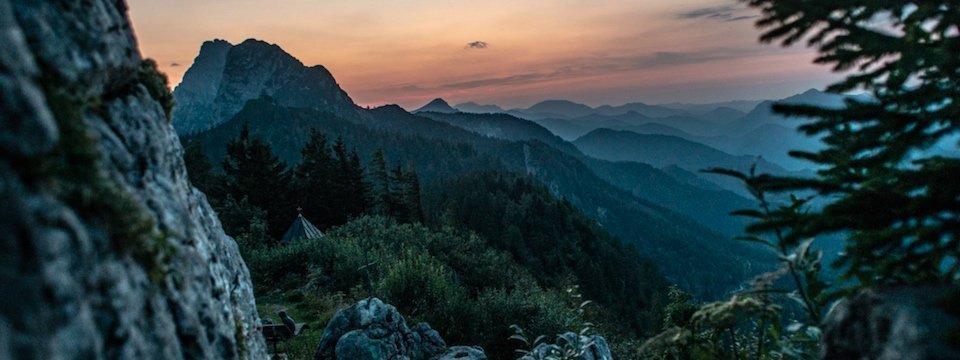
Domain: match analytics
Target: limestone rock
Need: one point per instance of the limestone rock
(589, 347)
(888, 324)
(106, 250)
(224, 77)
(371, 329)
(199, 87)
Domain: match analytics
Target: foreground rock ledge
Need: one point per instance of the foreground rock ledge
(921, 323)
(85, 145)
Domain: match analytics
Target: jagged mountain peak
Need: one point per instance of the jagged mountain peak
(224, 77)
(213, 44)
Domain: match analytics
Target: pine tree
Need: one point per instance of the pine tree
(887, 185)
(351, 190)
(359, 188)
(381, 178)
(200, 170)
(316, 183)
(254, 172)
(397, 205)
(412, 196)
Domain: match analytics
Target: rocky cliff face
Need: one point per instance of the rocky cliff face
(224, 77)
(106, 251)
(199, 86)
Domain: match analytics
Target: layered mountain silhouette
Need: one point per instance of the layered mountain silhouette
(438, 106)
(663, 150)
(737, 127)
(679, 190)
(666, 150)
(224, 77)
(689, 250)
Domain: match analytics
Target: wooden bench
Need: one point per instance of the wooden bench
(275, 333)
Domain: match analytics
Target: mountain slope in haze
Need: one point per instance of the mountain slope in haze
(775, 142)
(661, 151)
(438, 106)
(763, 114)
(722, 115)
(503, 126)
(224, 79)
(571, 129)
(664, 150)
(563, 128)
(687, 194)
(709, 205)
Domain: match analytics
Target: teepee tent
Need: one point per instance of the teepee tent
(299, 230)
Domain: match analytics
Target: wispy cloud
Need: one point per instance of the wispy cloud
(606, 65)
(174, 64)
(719, 13)
(477, 45)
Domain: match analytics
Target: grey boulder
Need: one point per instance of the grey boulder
(904, 324)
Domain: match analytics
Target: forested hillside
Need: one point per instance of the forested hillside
(436, 252)
(687, 252)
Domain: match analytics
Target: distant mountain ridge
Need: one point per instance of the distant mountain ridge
(472, 107)
(437, 105)
(664, 150)
(747, 127)
(226, 76)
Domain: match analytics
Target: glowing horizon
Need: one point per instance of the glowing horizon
(500, 52)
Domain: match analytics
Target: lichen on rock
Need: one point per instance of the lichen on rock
(107, 250)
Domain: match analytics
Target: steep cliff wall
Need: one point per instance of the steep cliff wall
(106, 251)
(224, 77)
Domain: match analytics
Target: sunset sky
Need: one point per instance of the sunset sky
(511, 53)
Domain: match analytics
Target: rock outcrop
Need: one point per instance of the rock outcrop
(106, 250)
(373, 330)
(903, 324)
(224, 77)
(570, 344)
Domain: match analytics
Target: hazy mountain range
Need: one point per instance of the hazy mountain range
(672, 216)
(740, 128)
